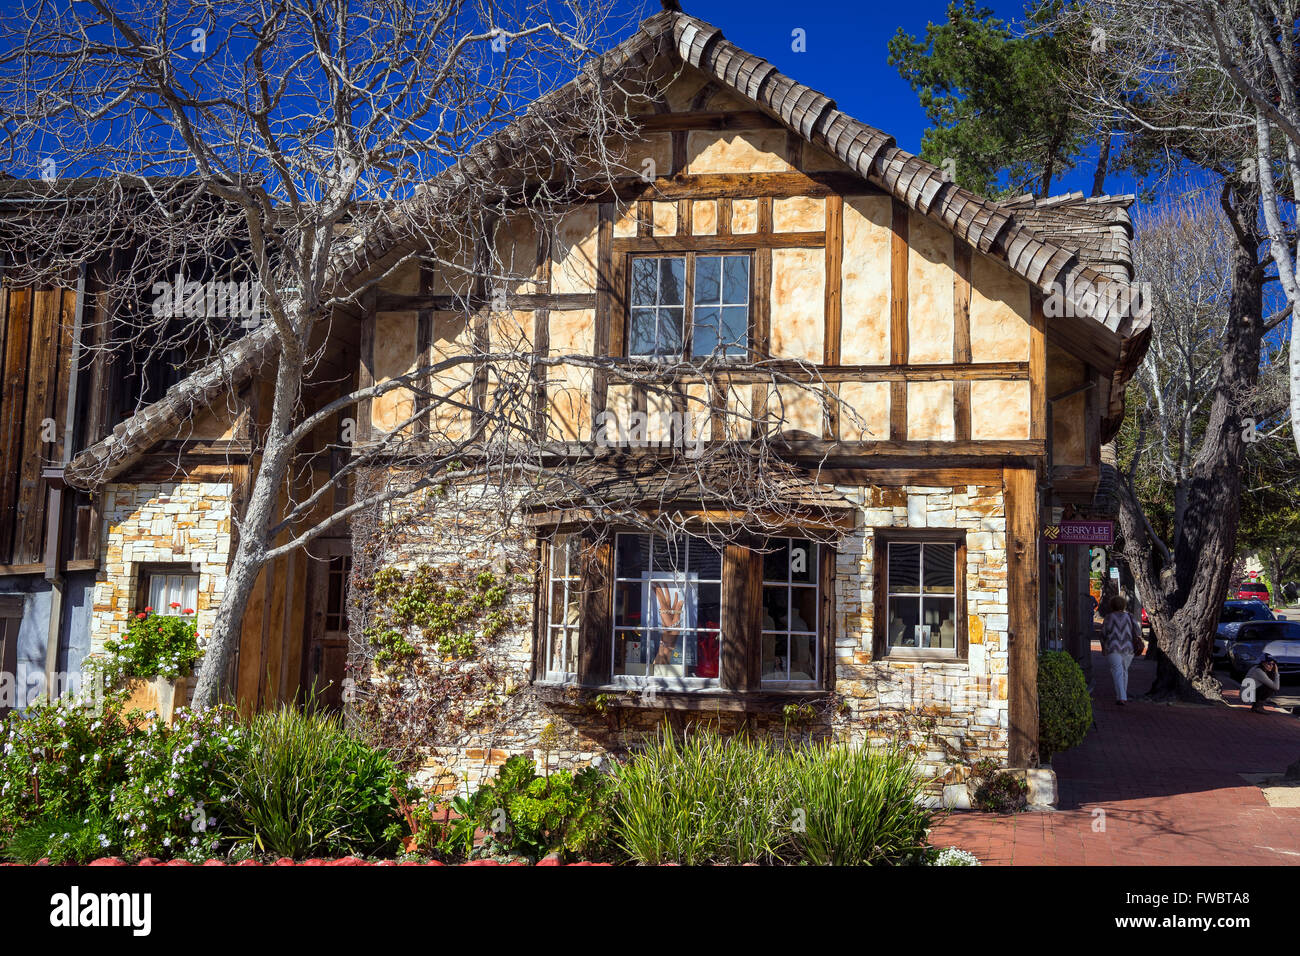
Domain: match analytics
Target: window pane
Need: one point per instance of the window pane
(776, 560)
(940, 568)
(564, 649)
(630, 654)
(631, 556)
(903, 618)
(705, 560)
(735, 280)
(803, 657)
(641, 332)
(803, 609)
(735, 329)
(776, 608)
(645, 273)
(776, 656)
(803, 561)
(904, 568)
(157, 591)
(627, 604)
(707, 278)
(705, 332)
(710, 606)
(669, 555)
(672, 281)
(941, 617)
(669, 342)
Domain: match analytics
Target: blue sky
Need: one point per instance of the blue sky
(846, 57)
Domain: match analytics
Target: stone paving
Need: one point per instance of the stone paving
(1153, 784)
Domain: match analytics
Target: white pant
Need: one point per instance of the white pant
(1119, 672)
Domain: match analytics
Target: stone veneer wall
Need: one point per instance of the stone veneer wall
(955, 712)
(168, 522)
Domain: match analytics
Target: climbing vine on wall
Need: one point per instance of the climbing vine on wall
(447, 608)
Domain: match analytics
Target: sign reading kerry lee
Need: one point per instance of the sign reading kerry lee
(1080, 532)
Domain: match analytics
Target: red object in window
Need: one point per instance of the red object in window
(708, 650)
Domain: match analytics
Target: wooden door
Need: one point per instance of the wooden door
(325, 660)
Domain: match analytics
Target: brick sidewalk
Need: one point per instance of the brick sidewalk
(1167, 780)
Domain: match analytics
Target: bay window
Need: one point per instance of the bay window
(687, 614)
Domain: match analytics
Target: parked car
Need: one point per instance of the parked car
(1236, 613)
(1254, 591)
(1257, 638)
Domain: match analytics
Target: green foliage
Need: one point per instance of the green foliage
(448, 615)
(530, 815)
(61, 762)
(302, 786)
(1064, 707)
(155, 645)
(61, 840)
(993, 99)
(174, 800)
(862, 806)
(704, 798)
(145, 790)
(996, 790)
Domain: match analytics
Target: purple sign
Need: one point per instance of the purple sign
(1080, 532)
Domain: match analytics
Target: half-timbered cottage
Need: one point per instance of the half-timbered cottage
(931, 375)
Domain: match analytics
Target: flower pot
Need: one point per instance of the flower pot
(157, 694)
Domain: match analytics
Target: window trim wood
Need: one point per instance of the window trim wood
(688, 254)
(881, 538)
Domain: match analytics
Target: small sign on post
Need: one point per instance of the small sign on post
(1080, 532)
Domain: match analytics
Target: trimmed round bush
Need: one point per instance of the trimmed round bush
(1064, 707)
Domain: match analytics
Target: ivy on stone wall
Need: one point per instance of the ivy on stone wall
(448, 609)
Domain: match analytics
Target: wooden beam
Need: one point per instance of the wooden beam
(688, 243)
(742, 186)
(1021, 505)
(898, 295)
(1037, 370)
(596, 625)
(404, 302)
(706, 120)
(604, 305)
(961, 347)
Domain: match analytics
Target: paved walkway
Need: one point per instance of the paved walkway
(1153, 784)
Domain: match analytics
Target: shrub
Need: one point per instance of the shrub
(155, 645)
(531, 815)
(174, 799)
(704, 798)
(302, 786)
(61, 762)
(862, 806)
(996, 790)
(1064, 708)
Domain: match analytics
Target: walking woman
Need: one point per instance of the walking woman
(1117, 639)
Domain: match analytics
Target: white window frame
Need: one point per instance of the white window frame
(689, 305)
(569, 579)
(646, 579)
(920, 595)
(790, 586)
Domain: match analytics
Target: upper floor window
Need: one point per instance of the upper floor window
(689, 306)
(561, 660)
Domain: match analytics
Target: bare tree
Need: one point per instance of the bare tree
(1222, 75)
(321, 150)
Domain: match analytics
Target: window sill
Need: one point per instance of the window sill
(908, 654)
(620, 697)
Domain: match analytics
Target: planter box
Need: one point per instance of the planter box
(158, 694)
